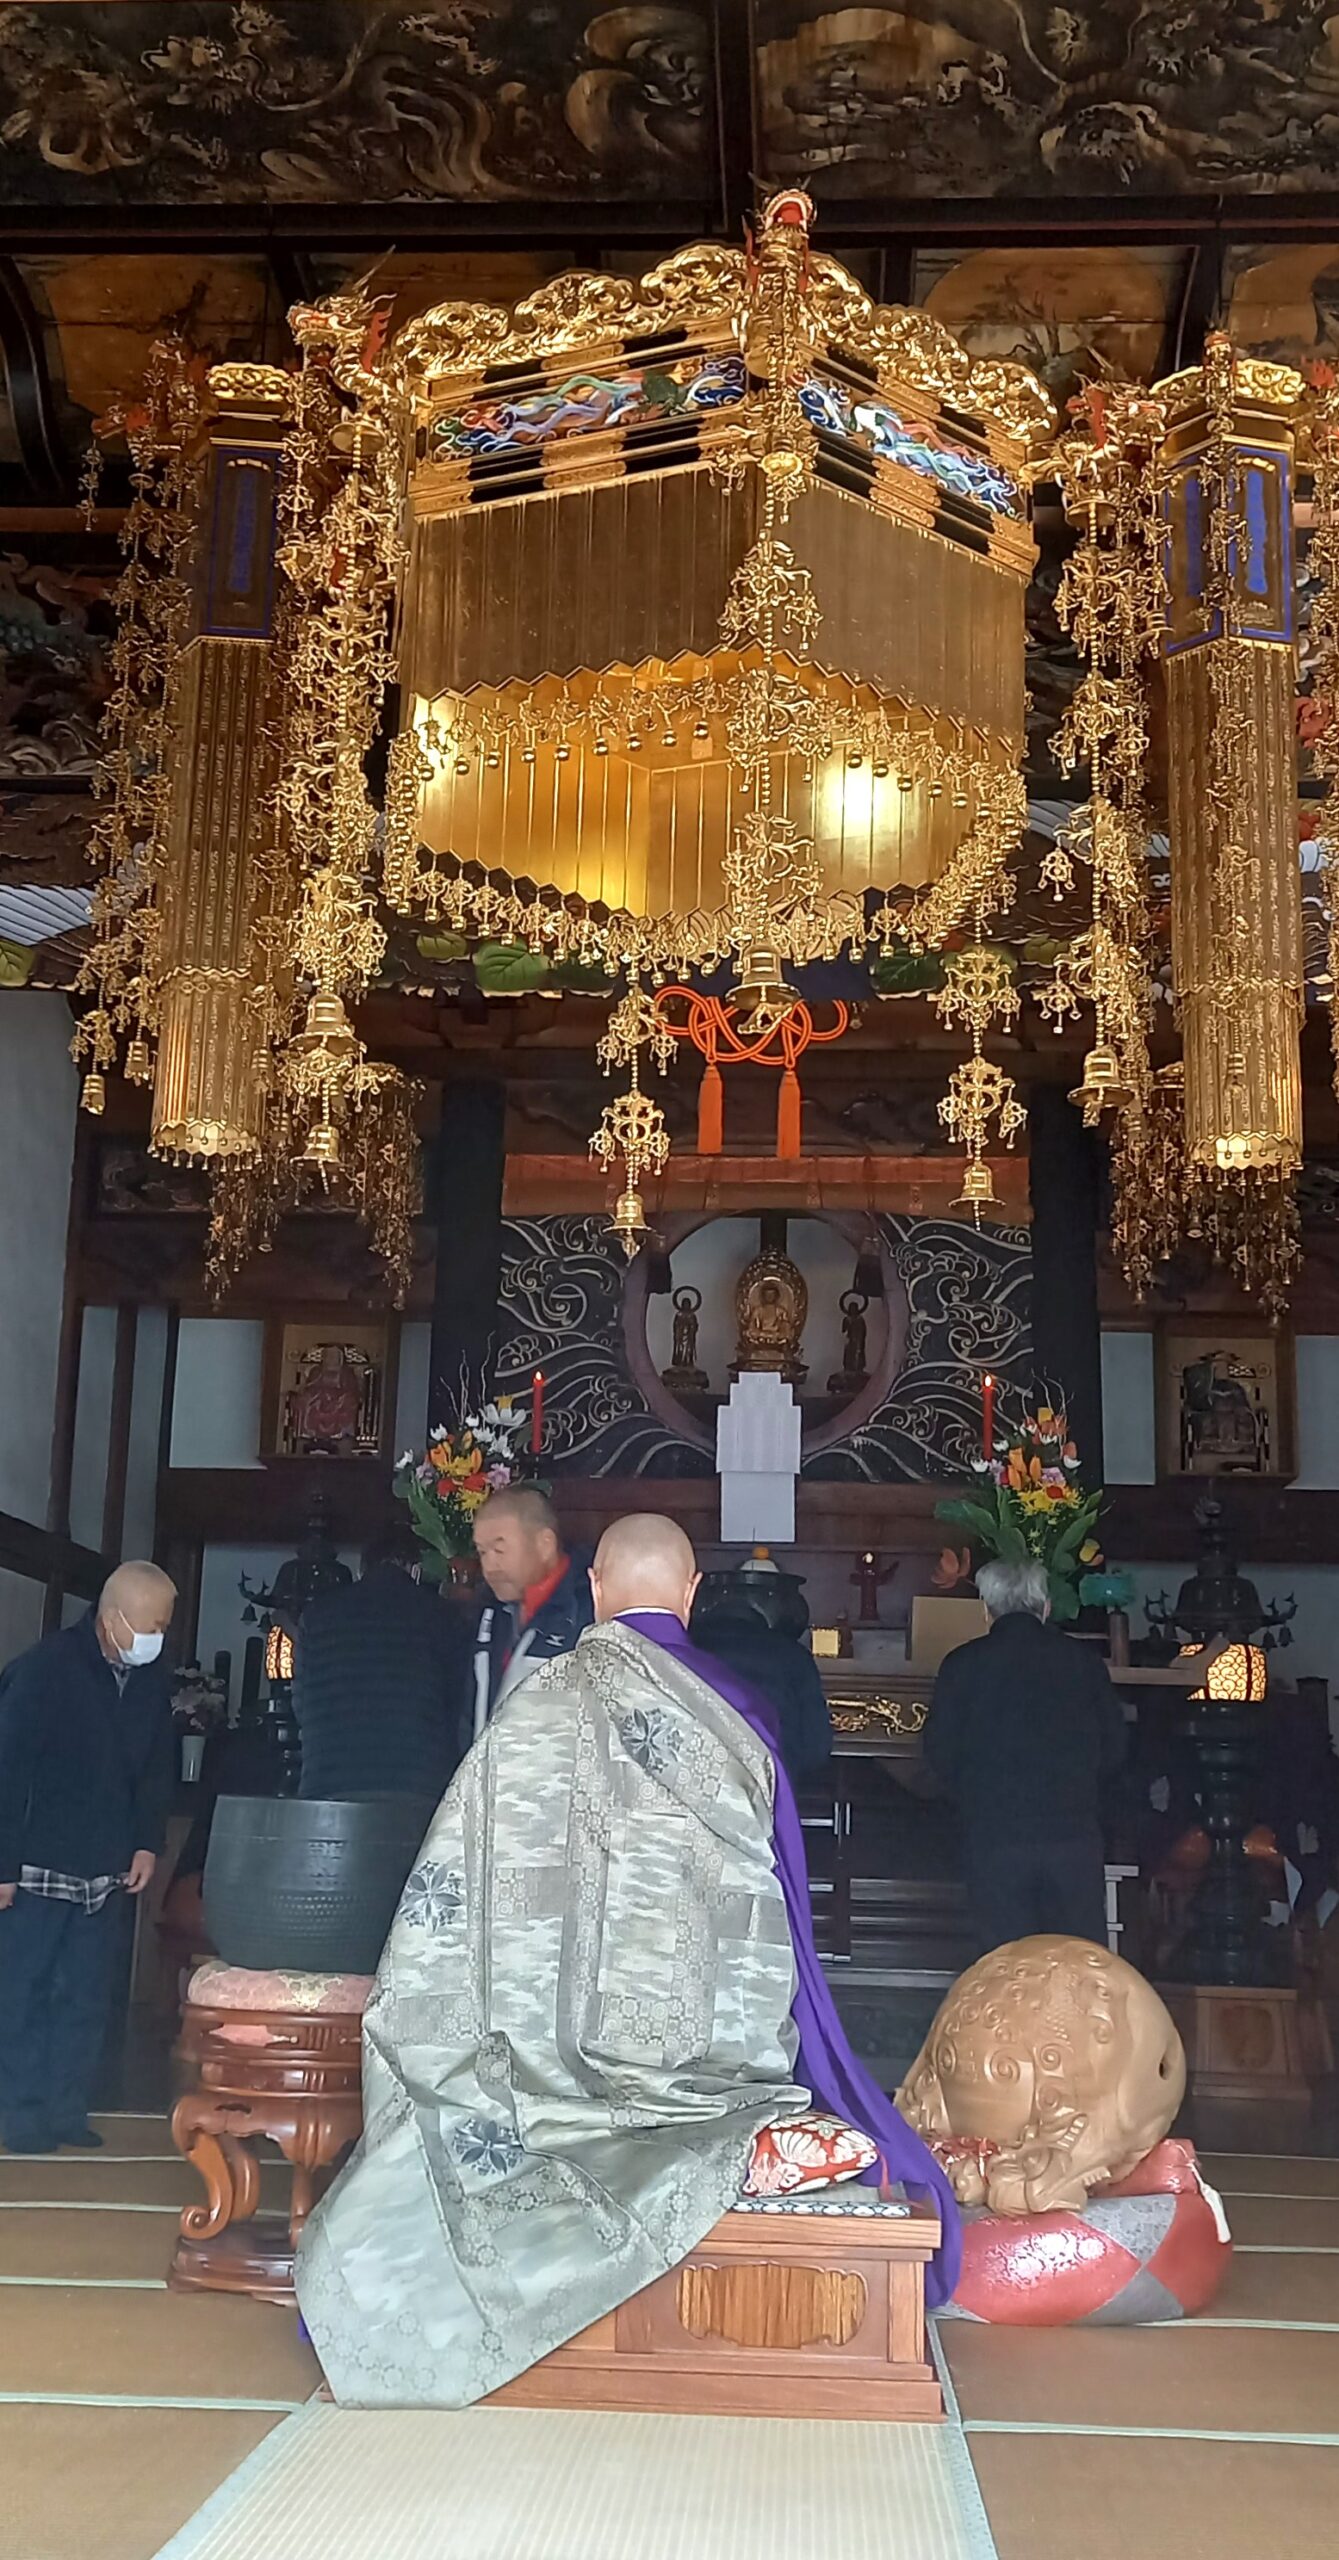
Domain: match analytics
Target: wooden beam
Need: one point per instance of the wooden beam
(913, 1186)
(44, 1555)
(50, 468)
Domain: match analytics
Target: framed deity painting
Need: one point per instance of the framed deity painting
(1226, 1398)
(329, 1386)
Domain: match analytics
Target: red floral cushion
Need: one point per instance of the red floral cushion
(807, 2151)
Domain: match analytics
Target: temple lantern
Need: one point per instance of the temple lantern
(641, 726)
(1231, 669)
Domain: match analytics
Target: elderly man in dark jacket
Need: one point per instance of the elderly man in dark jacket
(85, 1785)
(1023, 1733)
(381, 1682)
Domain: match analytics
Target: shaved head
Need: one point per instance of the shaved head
(142, 1594)
(644, 1562)
(134, 1613)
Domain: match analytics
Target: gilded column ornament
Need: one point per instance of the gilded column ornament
(1231, 664)
(219, 845)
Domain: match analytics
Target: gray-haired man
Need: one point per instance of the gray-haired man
(1024, 1730)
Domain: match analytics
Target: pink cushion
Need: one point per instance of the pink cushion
(230, 1986)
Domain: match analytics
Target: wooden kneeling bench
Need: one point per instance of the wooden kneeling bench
(789, 2311)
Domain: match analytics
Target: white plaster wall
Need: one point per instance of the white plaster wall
(1317, 1356)
(216, 1403)
(145, 1409)
(20, 1614)
(411, 1396)
(38, 1092)
(1129, 1439)
(92, 1424)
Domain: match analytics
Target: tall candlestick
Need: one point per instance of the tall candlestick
(988, 1417)
(537, 1414)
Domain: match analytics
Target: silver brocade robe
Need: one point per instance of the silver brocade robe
(581, 2019)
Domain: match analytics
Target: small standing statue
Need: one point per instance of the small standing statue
(683, 1376)
(854, 1371)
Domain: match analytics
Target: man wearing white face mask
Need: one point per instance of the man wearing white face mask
(85, 1785)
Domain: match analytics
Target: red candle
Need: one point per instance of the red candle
(537, 1415)
(987, 1416)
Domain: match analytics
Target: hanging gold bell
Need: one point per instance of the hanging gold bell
(978, 1186)
(94, 1094)
(1102, 1088)
(322, 1147)
(139, 1062)
(629, 1221)
(762, 988)
(327, 1026)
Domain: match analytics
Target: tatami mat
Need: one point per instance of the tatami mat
(1251, 2174)
(1282, 2288)
(151, 2346)
(112, 2484)
(35, 2241)
(132, 2136)
(1284, 2222)
(1095, 2498)
(1183, 2376)
(533, 2484)
(72, 2178)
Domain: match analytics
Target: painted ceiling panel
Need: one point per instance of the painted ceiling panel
(319, 102)
(955, 99)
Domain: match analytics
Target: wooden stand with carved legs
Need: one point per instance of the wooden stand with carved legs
(295, 2079)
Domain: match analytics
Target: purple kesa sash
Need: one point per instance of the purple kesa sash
(825, 2064)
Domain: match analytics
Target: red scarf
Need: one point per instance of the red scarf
(539, 1592)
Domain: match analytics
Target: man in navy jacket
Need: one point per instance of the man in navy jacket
(85, 1784)
(540, 1595)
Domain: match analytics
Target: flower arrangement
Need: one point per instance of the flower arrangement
(1030, 1506)
(459, 1469)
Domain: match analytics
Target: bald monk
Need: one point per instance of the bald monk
(86, 1774)
(600, 1985)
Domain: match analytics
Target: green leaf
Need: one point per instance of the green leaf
(972, 1516)
(509, 969)
(1064, 1600)
(441, 946)
(581, 977)
(906, 973)
(16, 962)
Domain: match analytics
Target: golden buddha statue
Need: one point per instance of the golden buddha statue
(771, 1304)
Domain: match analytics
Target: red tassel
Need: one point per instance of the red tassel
(710, 1111)
(788, 1118)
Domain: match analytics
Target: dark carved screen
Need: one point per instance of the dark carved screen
(562, 1312)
